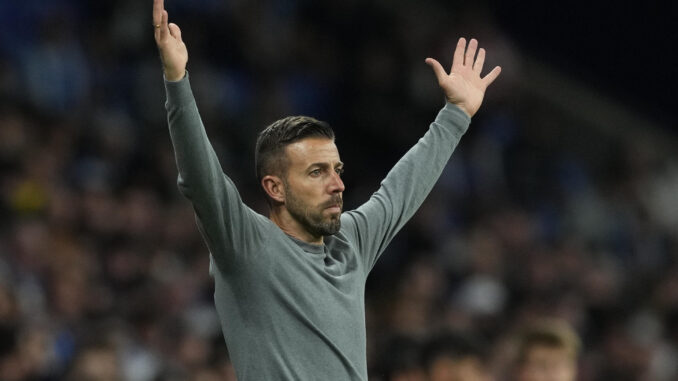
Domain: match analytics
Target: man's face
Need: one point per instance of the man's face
(313, 186)
(547, 364)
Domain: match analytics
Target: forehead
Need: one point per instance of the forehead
(547, 354)
(307, 151)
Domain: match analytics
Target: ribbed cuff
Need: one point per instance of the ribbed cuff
(451, 115)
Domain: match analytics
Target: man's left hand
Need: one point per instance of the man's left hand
(463, 86)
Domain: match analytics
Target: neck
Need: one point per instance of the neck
(288, 224)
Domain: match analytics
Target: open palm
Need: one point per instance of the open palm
(463, 86)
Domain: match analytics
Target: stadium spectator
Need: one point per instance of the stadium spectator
(548, 351)
(456, 357)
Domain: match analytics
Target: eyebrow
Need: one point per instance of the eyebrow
(325, 165)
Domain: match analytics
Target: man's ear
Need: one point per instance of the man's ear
(274, 188)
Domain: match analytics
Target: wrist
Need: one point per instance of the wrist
(174, 75)
(462, 107)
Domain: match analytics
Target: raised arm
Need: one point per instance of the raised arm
(227, 225)
(374, 223)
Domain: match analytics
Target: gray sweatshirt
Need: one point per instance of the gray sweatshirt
(291, 310)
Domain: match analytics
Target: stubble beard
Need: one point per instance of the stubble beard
(312, 218)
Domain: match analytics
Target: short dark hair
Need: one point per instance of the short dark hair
(555, 334)
(455, 345)
(269, 155)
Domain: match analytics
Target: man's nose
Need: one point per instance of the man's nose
(336, 184)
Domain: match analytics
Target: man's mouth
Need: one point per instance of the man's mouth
(334, 208)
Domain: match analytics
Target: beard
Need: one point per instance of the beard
(313, 218)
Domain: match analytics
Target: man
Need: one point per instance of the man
(455, 357)
(96, 362)
(289, 289)
(547, 351)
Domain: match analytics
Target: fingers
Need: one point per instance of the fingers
(437, 69)
(175, 31)
(158, 7)
(491, 76)
(480, 60)
(471, 52)
(463, 62)
(163, 30)
(458, 59)
(160, 18)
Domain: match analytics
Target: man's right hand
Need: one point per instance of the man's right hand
(172, 49)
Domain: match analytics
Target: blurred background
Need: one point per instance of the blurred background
(560, 201)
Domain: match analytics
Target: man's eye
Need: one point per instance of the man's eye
(339, 170)
(315, 172)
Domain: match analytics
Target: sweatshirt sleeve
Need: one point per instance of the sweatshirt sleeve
(228, 226)
(373, 225)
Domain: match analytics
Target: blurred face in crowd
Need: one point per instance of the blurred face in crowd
(545, 363)
(469, 368)
(96, 364)
(313, 185)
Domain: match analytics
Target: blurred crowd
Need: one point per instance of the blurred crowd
(538, 216)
